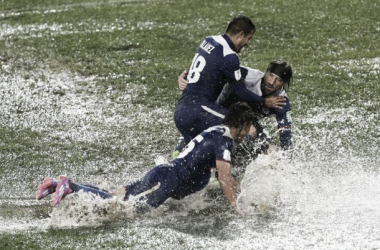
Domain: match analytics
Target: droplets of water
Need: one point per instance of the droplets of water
(355, 67)
(86, 210)
(269, 181)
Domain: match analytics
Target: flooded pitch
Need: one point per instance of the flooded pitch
(326, 196)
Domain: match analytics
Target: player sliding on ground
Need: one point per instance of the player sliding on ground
(188, 173)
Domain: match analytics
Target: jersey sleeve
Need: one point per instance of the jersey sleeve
(245, 95)
(238, 86)
(231, 68)
(253, 79)
(284, 122)
(223, 149)
(244, 72)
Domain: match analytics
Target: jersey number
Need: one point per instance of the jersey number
(198, 64)
(190, 146)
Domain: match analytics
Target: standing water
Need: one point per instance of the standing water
(324, 197)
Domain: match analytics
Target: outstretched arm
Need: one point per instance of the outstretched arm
(246, 95)
(227, 182)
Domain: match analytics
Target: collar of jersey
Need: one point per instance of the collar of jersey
(227, 132)
(229, 41)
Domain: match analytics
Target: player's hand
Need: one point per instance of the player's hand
(182, 82)
(275, 102)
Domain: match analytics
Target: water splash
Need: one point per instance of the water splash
(268, 181)
(86, 210)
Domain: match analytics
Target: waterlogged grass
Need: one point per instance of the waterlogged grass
(88, 89)
(71, 239)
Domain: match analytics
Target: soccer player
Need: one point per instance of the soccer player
(187, 174)
(215, 64)
(274, 82)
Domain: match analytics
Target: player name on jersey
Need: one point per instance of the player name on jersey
(207, 47)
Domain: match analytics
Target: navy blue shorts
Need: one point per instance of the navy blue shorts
(162, 182)
(194, 116)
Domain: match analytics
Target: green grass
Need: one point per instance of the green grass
(138, 49)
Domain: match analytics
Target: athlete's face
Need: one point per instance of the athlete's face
(273, 83)
(238, 134)
(242, 41)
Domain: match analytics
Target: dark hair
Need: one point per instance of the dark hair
(241, 23)
(239, 115)
(283, 69)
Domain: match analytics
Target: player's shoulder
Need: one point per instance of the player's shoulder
(254, 74)
(220, 130)
(225, 137)
(220, 138)
(252, 80)
(226, 48)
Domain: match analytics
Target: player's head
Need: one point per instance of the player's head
(240, 30)
(239, 119)
(278, 75)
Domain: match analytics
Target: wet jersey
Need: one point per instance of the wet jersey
(214, 63)
(254, 81)
(201, 153)
(189, 172)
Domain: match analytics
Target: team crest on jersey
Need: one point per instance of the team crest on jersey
(237, 74)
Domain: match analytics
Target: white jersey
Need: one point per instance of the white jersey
(253, 82)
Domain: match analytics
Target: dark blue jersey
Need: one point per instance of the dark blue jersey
(189, 172)
(215, 64)
(201, 154)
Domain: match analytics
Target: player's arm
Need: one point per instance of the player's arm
(246, 95)
(284, 123)
(235, 77)
(226, 180)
